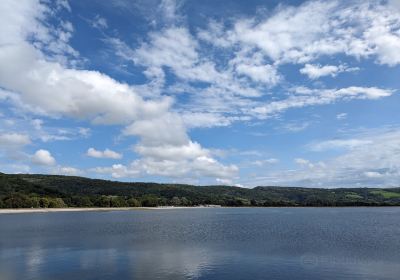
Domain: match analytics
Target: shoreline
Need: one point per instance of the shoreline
(91, 209)
(110, 209)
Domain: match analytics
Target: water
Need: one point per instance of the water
(235, 243)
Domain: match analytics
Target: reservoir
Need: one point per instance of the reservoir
(203, 243)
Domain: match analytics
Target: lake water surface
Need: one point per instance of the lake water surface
(226, 243)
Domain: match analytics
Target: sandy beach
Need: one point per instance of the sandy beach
(92, 209)
(50, 210)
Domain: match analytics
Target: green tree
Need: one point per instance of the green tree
(253, 202)
(176, 201)
(149, 201)
(18, 200)
(56, 203)
(82, 201)
(133, 202)
(102, 201)
(118, 202)
(35, 202)
(44, 202)
(185, 201)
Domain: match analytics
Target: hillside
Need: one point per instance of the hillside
(26, 191)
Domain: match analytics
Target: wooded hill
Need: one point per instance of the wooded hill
(53, 191)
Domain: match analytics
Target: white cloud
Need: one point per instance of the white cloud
(395, 4)
(316, 28)
(341, 116)
(170, 152)
(373, 174)
(303, 97)
(317, 71)
(215, 34)
(11, 149)
(39, 74)
(84, 131)
(43, 157)
(117, 171)
(99, 22)
(224, 181)
(204, 119)
(303, 162)
(363, 92)
(47, 85)
(285, 34)
(374, 163)
(15, 168)
(338, 144)
(107, 153)
(63, 4)
(8, 140)
(254, 66)
(238, 74)
(166, 150)
(50, 88)
(259, 73)
(67, 170)
(295, 126)
(169, 11)
(268, 161)
(177, 152)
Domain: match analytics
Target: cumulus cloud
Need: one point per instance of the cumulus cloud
(41, 76)
(52, 89)
(171, 153)
(43, 157)
(107, 153)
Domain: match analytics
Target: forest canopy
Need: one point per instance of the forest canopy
(53, 191)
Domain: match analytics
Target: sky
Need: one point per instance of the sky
(246, 93)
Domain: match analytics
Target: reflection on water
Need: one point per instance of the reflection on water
(285, 243)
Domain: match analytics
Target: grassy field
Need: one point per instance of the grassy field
(386, 194)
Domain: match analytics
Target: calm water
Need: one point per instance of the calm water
(269, 243)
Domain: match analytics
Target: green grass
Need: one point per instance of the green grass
(353, 195)
(386, 194)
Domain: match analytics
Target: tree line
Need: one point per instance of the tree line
(50, 191)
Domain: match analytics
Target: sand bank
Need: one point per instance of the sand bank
(72, 209)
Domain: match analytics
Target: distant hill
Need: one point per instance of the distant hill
(27, 190)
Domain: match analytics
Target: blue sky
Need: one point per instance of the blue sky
(247, 93)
